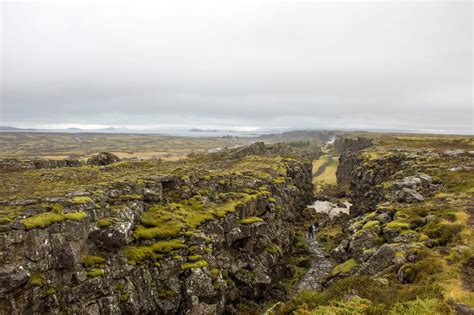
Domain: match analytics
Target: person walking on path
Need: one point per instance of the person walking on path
(311, 231)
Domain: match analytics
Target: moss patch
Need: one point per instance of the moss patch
(45, 219)
(345, 267)
(250, 220)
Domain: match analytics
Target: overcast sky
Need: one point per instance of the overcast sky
(294, 64)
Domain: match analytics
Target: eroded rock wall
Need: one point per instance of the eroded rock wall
(78, 266)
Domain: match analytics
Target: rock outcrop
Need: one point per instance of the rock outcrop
(194, 237)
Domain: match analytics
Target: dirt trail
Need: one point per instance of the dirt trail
(319, 271)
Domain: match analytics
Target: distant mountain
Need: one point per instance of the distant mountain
(9, 128)
(74, 129)
(203, 130)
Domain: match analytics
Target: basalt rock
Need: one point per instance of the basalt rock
(83, 253)
(103, 158)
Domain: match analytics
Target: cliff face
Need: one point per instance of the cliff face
(348, 148)
(194, 237)
(409, 238)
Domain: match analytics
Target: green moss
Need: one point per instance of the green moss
(278, 180)
(37, 279)
(104, 222)
(399, 225)
(50, 291)
(79, 200)
(91, 260)
(47, 218)
(120, 287)
(165, 230)
(76, 216)
(345, 267)
(214, 273)
(124, 297)
(166, 294)
(273, 249)
(178, 257)
(137, 254)
(131, 197)
(194, 258)
(371, 225)
(198, 264)
(95, 273)
(250, 220)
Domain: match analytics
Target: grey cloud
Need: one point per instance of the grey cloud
(287, 64)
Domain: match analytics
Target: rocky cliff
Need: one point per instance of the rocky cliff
(407, 246)
(200, 236)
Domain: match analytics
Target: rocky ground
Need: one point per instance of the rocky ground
(212, 234)
(407, 245)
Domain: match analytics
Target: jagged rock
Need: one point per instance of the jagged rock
(410, 195)
(380, 260)
(243, 232)
(462, 309)
(383, 218)
(406, 237)
(366, 240)
(414, 182)
(103, 158)
(112, 237)
(12, 277)
(199, 284)
(67, 256)
(37, 245)
(340, 253)
(454, 153)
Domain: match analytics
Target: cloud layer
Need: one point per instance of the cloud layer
(405, 65)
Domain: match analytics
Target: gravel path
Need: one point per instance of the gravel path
(319, 271)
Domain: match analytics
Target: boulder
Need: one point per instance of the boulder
(380, 260)
(103, 158)
(12, 277)
(409, 195)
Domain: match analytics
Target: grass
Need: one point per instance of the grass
(328, 175)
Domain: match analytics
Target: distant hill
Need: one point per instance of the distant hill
(9, 128)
